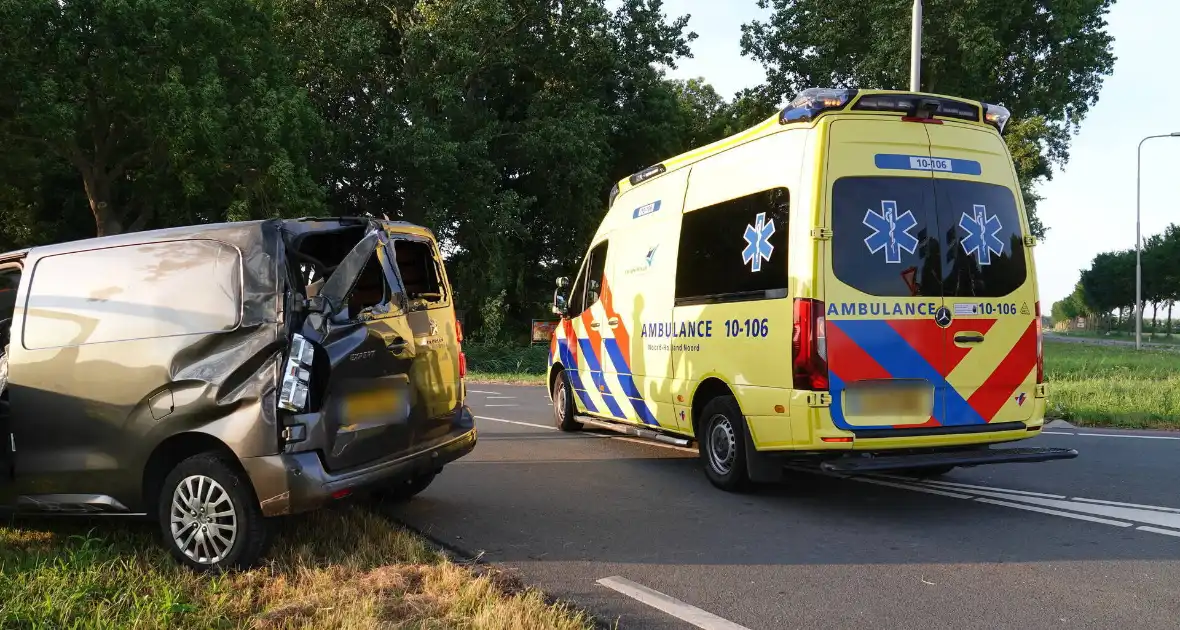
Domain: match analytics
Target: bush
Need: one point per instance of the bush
(503, 358)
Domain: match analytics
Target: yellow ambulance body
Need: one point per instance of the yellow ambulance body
(849, 283)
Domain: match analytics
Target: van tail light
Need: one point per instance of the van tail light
(459, 344)
(809, 345)
(1040, 346)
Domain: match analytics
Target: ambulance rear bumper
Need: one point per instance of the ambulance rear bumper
(871, 463)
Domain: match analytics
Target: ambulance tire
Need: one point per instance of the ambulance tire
(722, 444)
(564, 414)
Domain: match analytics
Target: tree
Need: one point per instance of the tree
(159, 106)
(1109, 283)
(1043, 60)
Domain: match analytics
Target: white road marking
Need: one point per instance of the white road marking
(523, 424)
(1111, 435)
(622, 438)
(1156, 530)
(479, 391)
(501, 397)
(670, 605)
(1033, 508)
(904, 486)
(500, 405)
(1114, 513)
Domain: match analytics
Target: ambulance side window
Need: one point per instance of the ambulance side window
(734, 251)
(587, 289)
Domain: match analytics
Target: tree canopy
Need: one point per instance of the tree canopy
(1042, 59)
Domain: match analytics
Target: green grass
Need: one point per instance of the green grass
(1089, 385)
(340, 568)
(1092, 385)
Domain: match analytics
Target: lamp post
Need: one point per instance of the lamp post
(916, 48)
(1139, 240)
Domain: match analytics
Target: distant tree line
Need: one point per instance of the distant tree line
(1106, 291)
(500, 124)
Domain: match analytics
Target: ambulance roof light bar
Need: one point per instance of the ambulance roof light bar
(811, 102)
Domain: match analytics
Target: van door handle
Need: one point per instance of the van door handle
(969, 338)
(595, 325)
(613, 322)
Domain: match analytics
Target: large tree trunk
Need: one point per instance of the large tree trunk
(98, 191)
(1170, 304)
(1155, 312)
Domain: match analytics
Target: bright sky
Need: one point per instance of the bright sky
(1089, 206)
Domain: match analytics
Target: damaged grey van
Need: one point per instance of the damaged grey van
(214, 376)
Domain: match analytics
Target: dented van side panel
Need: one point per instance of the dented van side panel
(105, 371)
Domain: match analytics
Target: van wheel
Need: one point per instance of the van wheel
(209, 516)
(404, 489)
(722, 444)
(564, 414)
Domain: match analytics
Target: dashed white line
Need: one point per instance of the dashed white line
(621, 438)
(1129, 505)
(501, 405)
(1034, 508)
(1157, 530)
(668, 604)
(967, 486)
(916, 488)
(1111, 435)
(480, 391)
(501, 397)
(517, 422)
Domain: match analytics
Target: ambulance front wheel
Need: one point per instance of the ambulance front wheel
(564, 414)
(722, 444)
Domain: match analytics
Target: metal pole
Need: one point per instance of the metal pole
(1139, 241)
(916, 48)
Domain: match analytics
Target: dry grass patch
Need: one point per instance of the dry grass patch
(346, 568)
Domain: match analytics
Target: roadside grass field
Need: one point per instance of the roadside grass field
(1113, 386)
(1089, 384)
(345, 567)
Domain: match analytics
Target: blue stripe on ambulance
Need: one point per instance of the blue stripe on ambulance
(598, 378)
(571, 370)
(628, 382)
(900, 360)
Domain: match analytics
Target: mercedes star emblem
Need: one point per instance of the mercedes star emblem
(942, 317)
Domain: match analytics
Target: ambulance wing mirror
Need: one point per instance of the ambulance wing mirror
(559, 302)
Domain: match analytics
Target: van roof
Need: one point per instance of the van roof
(202, 229)
(810, 104)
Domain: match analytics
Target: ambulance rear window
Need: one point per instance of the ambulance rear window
(921, 237)
(883, 238)
(983, 238)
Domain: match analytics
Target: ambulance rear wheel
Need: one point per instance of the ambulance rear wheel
(722, 444)
(564, 414)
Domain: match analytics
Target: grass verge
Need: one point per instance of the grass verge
(1109, 386)
(341, 568)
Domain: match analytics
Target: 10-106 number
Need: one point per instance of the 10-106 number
(747, 328)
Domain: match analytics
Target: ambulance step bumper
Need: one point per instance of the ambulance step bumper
(917, 461)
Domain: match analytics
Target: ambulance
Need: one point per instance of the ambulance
(848, 285)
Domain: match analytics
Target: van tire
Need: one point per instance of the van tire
(564, 413)
(231, 490)
(722, 444)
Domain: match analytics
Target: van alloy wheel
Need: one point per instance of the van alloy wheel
(564, 415)
(204, 520)
(722, 444)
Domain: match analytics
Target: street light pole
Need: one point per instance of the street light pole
(916, 48)
(1139, 240)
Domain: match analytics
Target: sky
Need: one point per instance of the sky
(1089, 205)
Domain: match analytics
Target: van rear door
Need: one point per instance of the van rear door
(987, 278)
(881, 278)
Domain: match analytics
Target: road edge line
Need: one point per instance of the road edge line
(668, 604)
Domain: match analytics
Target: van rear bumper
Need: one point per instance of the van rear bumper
(938, 459)
(290, 483)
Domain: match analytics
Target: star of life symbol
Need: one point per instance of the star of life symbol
(758, 247)
(891, 232)
(981, 237)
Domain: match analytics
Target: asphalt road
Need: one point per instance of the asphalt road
(1048, 545)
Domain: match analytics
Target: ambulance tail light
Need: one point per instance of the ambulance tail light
(459, 345)
(1040, 346)
(809, 345)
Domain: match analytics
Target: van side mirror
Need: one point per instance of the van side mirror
(563, 282)
(559, 305)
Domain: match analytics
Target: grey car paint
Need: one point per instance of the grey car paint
(96, 426)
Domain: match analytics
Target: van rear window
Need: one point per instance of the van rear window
(133, 292)
(920, 237)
